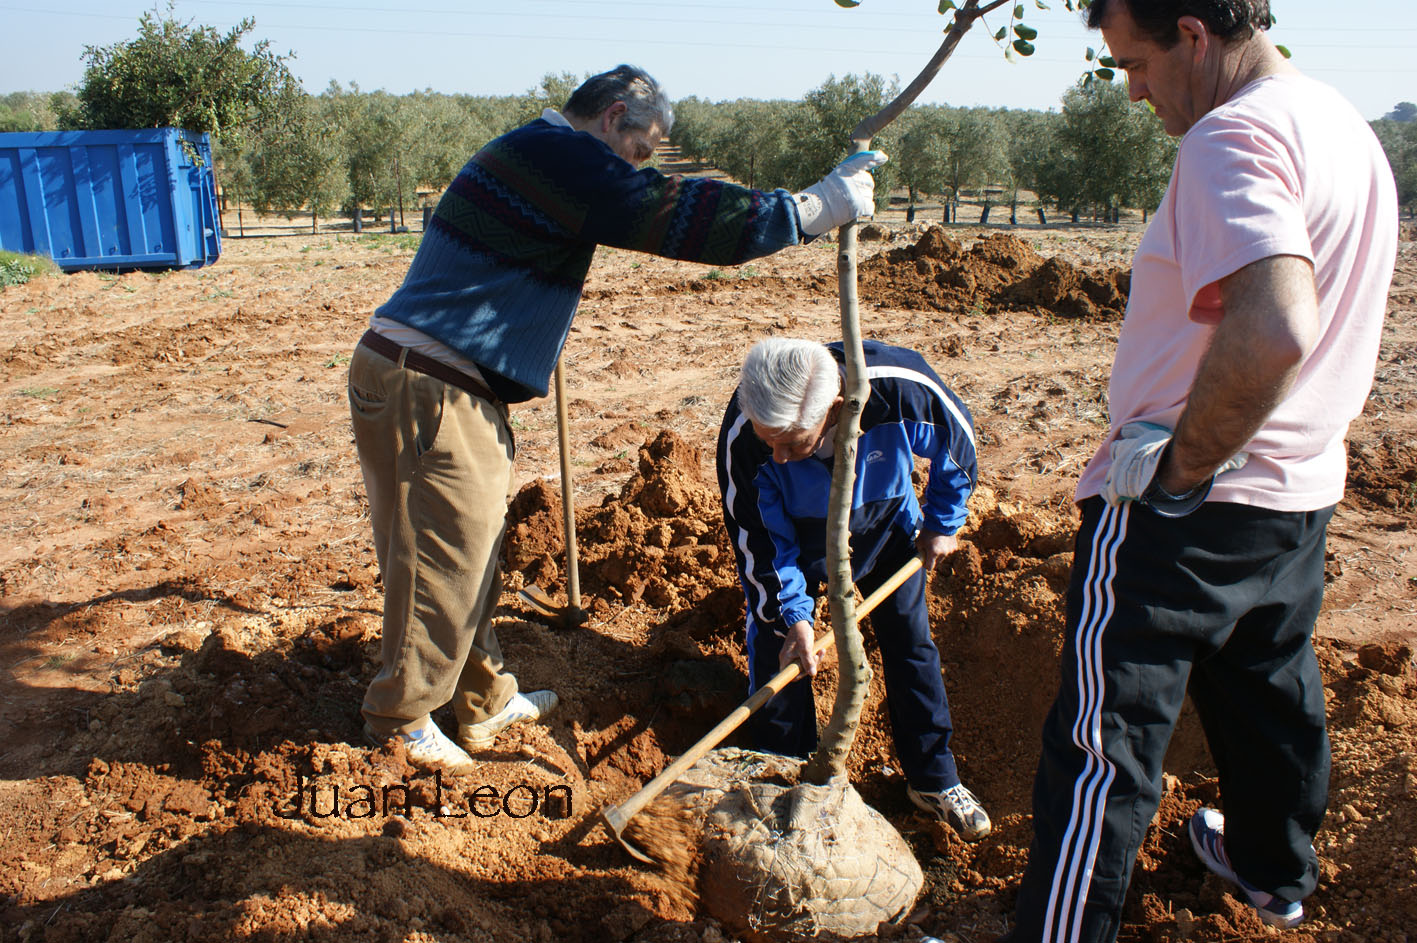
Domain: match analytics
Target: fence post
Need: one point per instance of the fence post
(358, 221)
(1042, 219)
(427, 217)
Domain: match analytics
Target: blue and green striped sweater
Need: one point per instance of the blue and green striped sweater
(500, 270)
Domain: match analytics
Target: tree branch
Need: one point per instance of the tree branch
(964, 19)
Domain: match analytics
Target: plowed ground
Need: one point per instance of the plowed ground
(191, 603)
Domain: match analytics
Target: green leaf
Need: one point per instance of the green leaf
(1041, 5)
(999, 36)
(1018, 12)
(1091, 54)
(1023, 47)
(1284, 51)
(1108, 62)
(848, 3)
(1105, 74)
(946, 5)
(1025, 32)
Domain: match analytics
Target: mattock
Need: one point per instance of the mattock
(617, 816)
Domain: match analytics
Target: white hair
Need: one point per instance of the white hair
(788, 384)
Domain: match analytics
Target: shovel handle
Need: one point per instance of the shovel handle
(617, 816)
(568, 507)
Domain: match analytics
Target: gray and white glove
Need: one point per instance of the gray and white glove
(844, 194)
(1136, 454)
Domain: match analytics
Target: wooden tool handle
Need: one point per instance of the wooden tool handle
(568, 505)
(622, 813)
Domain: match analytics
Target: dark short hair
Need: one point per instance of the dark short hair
(645, 102)
(1156, 19)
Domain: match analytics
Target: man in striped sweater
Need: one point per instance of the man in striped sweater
(774, 471)
(479, 323)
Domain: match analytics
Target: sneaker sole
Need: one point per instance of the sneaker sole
(1214, 866)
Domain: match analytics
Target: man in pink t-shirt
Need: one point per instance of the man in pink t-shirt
(1250, 341)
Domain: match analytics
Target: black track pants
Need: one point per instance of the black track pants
(1223, 600)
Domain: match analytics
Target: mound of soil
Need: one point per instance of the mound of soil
(999, 272)
(660, 541)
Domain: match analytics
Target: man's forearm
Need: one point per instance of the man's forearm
(1270, 325)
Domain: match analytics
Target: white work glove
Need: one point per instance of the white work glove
(1136, 454)
(841, 196)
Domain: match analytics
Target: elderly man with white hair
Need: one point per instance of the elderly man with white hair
(774, 471)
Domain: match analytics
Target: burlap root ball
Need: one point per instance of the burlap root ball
(783, 861)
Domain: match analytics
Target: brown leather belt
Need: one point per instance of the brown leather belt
(413, 360)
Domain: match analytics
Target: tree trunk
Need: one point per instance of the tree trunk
(854, 677)
(829, 762)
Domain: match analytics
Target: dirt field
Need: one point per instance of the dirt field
(191, 602)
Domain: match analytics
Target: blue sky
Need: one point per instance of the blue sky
(716, 50)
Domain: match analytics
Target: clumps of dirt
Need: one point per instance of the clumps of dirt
(1383, 474)
(998, 611)
(665, 832)
(998, 273)
(660, 541)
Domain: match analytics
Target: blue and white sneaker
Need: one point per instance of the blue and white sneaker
(1207, 830)
(533, 705)
(428, 748)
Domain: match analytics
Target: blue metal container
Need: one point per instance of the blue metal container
(110, 199)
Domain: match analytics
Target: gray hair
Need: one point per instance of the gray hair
(645, 102)
(788, 384)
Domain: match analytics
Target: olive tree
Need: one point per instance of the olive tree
(829, 762)
(175, 74)
(1105, 152)
(293, 161)
(922, 152)
(33, 111)
(1399, 140)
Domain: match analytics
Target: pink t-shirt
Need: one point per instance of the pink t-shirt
(1286, 167)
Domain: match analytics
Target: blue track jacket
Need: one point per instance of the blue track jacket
(777, 513)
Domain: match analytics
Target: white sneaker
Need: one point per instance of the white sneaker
(533, 705)
(1207, 831)
(957, 807)
(428, 748)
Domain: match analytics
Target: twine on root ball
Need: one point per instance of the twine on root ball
(775, 859)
